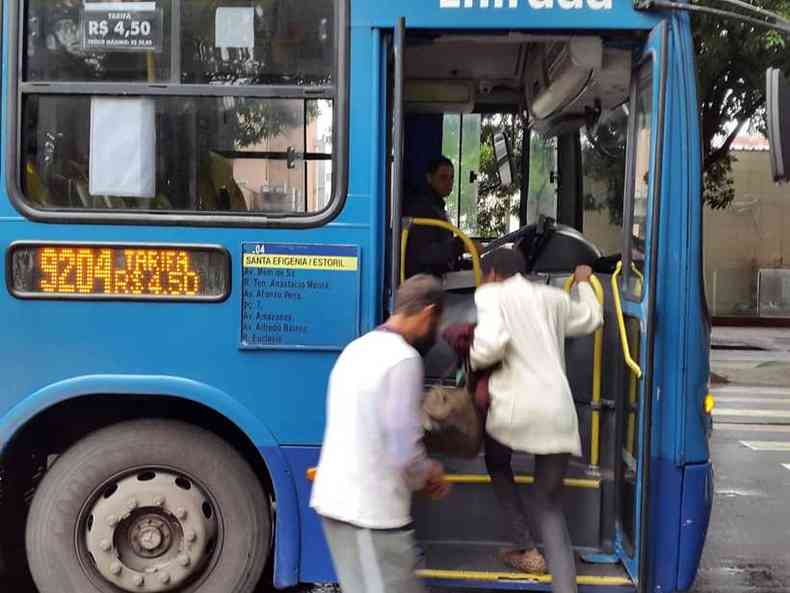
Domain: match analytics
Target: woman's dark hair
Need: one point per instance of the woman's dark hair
(435, 164)
(504, 262)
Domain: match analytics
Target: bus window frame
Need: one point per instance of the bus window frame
(338, 93)
(656, 119)
(646, 304)
(661, 58)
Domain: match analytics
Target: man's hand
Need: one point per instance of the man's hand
(436, 485)
(582, 274)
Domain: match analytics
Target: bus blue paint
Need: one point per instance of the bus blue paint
(314, 561)
(694, 520)
(276, 398)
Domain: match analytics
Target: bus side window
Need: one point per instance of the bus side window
(213, 136)
(603, 180)
(542, 194)
(461, 144)
(641, 179)
(482, 204)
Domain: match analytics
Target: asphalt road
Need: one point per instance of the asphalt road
(748, 546)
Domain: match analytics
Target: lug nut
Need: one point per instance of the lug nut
(138, 580)
(164, 578)
(105, 545)
(159, 501)
(183, 560)
(190, 535)
(116, 568)
(112, 520)
(181, 513)
(131, 504)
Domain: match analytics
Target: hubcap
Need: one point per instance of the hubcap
(152, 531)
(150, 536)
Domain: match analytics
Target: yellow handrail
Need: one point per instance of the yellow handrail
(618, 306)
(639, 274)
(632, 385)
(595, 429)
(468, 243)
(633, 381)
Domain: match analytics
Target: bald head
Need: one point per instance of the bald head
(418, 293)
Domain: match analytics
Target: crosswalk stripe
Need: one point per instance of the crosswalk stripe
(751, 400)
(767, 445)
(752, 413)
(757, 390)
(734, 427)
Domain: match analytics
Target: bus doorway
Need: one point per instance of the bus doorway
(578, 117)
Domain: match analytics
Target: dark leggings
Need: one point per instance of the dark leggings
(547, 517)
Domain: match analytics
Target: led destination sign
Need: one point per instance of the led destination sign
(118, 272)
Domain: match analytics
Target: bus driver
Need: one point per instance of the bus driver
(431, 250)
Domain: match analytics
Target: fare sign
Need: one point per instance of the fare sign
(117, 26)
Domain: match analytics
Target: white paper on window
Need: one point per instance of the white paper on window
(123, 147)
(234, 27)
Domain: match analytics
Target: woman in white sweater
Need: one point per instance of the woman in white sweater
(521, 327)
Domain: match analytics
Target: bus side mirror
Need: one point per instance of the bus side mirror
(778, 119)
(504, 159)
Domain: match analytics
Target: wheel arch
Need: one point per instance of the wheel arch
(56, 416)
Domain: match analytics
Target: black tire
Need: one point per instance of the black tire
(53, 525)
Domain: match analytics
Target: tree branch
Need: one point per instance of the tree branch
(722, 151)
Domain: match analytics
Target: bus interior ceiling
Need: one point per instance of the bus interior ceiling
(546, 77)
(560, 79)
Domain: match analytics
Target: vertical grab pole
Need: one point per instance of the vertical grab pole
(398, 46)
(595, 429)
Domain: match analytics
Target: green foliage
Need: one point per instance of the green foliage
(496, 204)
(254, 120)
(731, 61)
(603, 160)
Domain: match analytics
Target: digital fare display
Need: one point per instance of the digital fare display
(119, 272)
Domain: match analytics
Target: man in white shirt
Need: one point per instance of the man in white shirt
(372, 458)
(522, 326)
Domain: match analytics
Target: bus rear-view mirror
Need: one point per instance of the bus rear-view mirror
(778, 120)
(504, 159)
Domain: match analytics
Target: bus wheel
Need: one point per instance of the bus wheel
(149, 505)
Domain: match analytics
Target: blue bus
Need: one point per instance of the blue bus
(201, 205)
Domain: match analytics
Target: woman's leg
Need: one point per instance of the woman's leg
(549, 474)
(498, 458)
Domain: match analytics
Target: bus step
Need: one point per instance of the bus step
(477, 566)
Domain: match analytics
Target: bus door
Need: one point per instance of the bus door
(633, 287)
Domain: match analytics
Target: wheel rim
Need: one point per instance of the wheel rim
(154, 530)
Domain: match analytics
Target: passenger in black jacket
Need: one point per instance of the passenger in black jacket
(431, 250)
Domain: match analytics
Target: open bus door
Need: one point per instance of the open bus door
(633, 287)
(605, 498)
